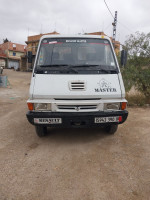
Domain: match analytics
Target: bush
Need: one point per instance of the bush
(137, 72)
(136, 99)
(127, 75)
(139, 78)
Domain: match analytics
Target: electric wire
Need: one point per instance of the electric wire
(108, 9)
(117, 20)
(125, 27)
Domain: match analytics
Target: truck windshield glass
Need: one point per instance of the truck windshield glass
(75, 55)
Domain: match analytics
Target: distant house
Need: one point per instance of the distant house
(12, 53)
(3, 58)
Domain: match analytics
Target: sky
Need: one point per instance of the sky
(22, 18)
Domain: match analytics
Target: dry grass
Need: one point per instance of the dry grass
(135, 98)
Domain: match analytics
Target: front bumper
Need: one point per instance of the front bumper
(80, 119)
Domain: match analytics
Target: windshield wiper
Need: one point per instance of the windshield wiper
(100, 68)
(107, 71)
(63, 65)
(63, 69)
(86, 65)
(68, 71)
(71, 69)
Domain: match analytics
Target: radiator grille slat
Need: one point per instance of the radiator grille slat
(74, 85)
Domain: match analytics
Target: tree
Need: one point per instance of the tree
(5, 40)
(137, 72)
(138, 45)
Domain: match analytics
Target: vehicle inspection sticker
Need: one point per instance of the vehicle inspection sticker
(106, 119)
(53, 42)
(47, 120)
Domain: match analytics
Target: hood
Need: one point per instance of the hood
(76, 86)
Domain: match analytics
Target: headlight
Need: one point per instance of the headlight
(42, 106)
(112, 106)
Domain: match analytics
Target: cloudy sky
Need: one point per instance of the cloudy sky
(20, 18)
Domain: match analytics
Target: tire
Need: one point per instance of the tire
(41, 131)
(111, 129)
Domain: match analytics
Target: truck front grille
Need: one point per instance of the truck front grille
(77, 108)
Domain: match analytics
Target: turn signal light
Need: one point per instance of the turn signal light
(30, 106)
(123, 105)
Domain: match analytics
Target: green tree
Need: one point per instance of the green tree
(5, 40)
(137, 72)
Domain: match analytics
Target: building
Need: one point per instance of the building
(3, 58)
(11, 53)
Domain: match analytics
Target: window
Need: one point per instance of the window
(83, 54)
(14, 45)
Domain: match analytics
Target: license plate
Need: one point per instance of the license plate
(47, 120)
(106, 119)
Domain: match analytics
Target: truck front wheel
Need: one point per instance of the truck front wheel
(41, 131)
(111, 129)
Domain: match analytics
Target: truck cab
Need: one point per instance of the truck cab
(76, 82)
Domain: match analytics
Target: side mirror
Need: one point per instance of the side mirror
(123, 57)
(29, 56)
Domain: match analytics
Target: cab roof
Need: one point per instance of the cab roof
(76, 36)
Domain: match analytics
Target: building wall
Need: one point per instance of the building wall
(16, 53)
(32, 46)
(2, 58)
(37, 37)
(2, 63)
(23, 63)
(13, 64)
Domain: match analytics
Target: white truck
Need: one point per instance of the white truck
(76, 82)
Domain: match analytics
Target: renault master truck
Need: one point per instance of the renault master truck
(76, 82)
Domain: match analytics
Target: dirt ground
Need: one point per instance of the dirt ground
(70, 164)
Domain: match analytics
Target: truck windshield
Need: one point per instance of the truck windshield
(75, 55)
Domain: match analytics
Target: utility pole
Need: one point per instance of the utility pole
(114, 28)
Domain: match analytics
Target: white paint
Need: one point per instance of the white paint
(49, 87)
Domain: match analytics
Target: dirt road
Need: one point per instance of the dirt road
(70, 164)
